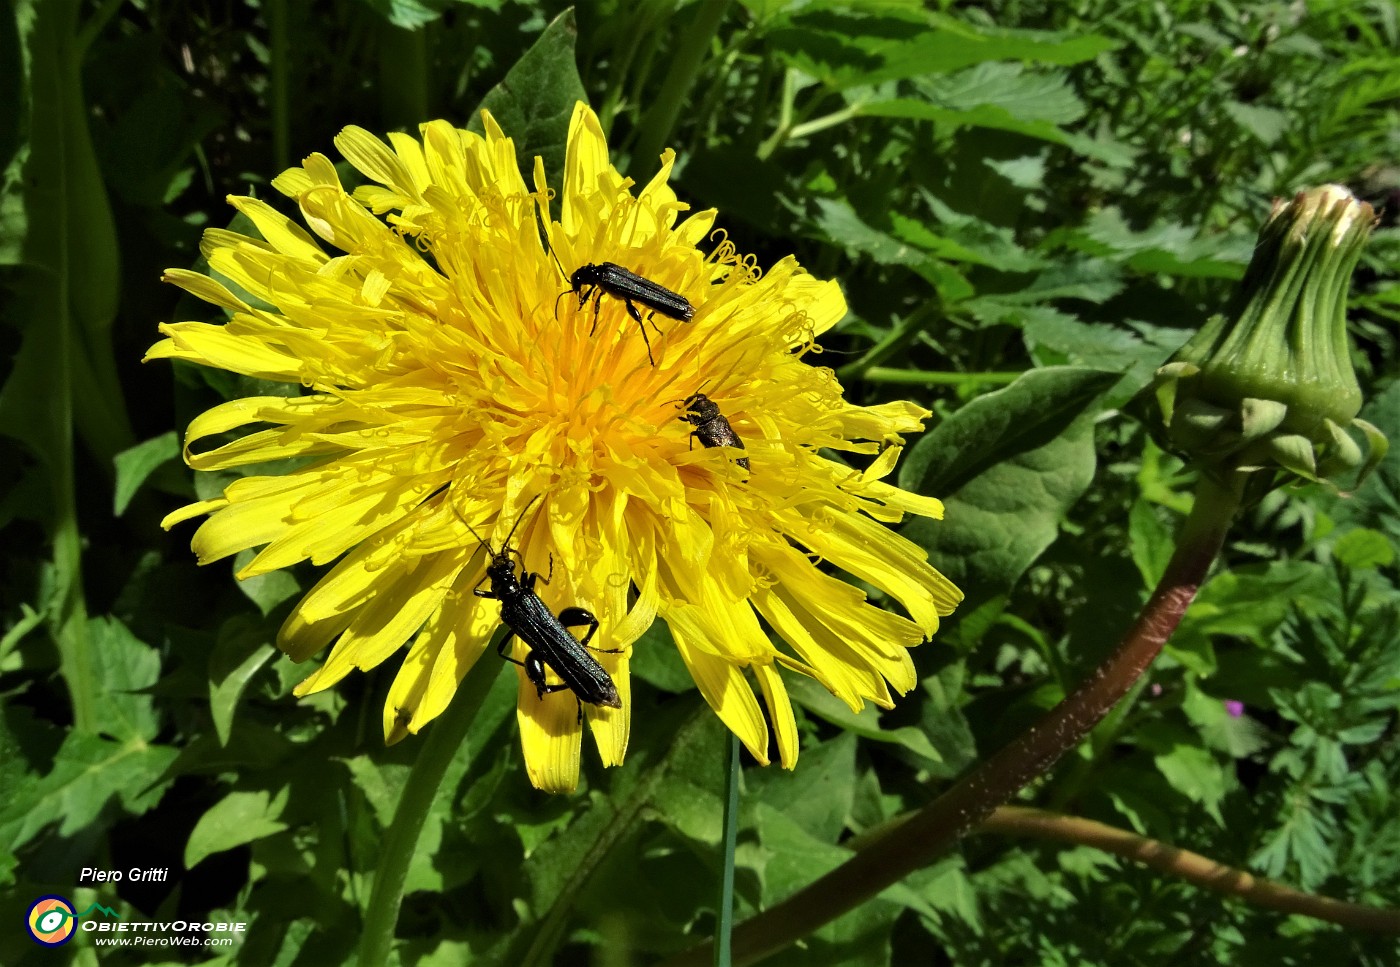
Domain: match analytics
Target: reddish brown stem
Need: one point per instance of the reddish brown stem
(935, 828)
(1200, 870)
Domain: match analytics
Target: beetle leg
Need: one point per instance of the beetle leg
(597, 293)
(501, 650)
(476, 588)
(575, 617)
(534, 670)
(637, 316)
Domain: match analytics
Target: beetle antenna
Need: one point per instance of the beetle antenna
(519, 519)
(483, 543)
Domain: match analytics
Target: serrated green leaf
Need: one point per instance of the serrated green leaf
(1022, 94)
(125, 666)
(88, 773)
(845, 48)
(1363, 548)
(239, 818)
(1000, 119)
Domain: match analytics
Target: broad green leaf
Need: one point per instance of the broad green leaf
(1007, 467)
(268, 590)
(656, 661)
(817, 795)
(134, 465)
(798, 857)
(999, 426)
(240, 817)
(535, 101)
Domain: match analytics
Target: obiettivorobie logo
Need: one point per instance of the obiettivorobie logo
(52, 922)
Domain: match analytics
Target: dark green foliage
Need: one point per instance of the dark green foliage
(1028, 205)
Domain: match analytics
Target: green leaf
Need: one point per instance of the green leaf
(1000, 426)
(238, 818)
(999, 118)
(1193, 772)
(1022, 94)
(656, 661)
(268, 590)
(125, 666)
(88, 772)
(535, 101)
(137, 463)
(1149, 541)
(241, 652)
(849, 48)
(1362, 549)
(1007, 467)
(818, 795)
(865, 723)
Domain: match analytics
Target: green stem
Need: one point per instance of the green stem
(780, 133)
(848, 112)
(725, 930)
(892, 342)
(659, 122)
(921, 377)
(938, 826)
(441, 746)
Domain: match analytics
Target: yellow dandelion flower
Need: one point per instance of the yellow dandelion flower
(447, 392)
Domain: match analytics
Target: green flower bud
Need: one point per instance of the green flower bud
(1269, 385)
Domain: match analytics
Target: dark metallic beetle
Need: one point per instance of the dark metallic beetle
(551, 644)
(592, 280)
(711, 426)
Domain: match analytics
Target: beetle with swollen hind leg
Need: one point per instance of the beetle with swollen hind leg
(710, 425)
(591, 281)
(550, 643)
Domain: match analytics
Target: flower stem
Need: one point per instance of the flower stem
(725, 930)
(1198, 869)
(919, 377)
(934, 829)
(443, 741)
(659, 122)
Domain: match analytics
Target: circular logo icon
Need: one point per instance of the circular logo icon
(50, 921)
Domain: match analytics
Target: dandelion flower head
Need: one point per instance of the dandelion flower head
(446, 384)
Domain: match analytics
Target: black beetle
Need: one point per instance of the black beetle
(592, 280)
(547, 635)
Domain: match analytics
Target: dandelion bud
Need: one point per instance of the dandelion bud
(1269, 385)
